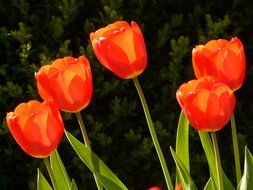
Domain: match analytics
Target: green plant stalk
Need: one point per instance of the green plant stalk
(217, 161)
(50, 172)
(236, 150)
(87, 143)
(153, 134)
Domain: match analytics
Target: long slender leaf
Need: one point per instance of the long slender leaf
(209, 185)
(182, 143)
(108, 179)
(246, 182)
(73, 185)
(60, 173)
(185, 177)
(42, 183)
(208, 149)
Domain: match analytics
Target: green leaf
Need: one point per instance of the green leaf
(209, 185)
(61, 177)
(185, 177)
(42, 183)
(73, 185)
(182, 143)
(246, 182)
(107, 178)
(208, 149)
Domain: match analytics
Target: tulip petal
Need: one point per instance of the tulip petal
(115, 58)
(108, 30)
(139, 48)
(199, 63)
(124, 40)
(15, 129)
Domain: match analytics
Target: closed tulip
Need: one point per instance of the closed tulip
(207, 104)
(222, 59)
(37, 127)
(67, 81)
(120, 47)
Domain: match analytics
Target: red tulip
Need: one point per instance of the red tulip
(207, 104)
(120, 48)
(155, 188)
(222, 59)
(37, 127)
(68, 82)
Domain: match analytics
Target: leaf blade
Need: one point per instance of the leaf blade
(208, 149)
(108, 179)
(60, 173)
(246, 182)
(185, 177)
(42, 183)
(182, 143)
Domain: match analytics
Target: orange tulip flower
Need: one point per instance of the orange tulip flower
(207, 104)
(120, 48)
(68, 82)
(222, 59)
(37, 127)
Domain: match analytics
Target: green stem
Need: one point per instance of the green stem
(236, 150)
(153, 135)
(83, 129)
(217, 161)
(87, 143)
(50, 172)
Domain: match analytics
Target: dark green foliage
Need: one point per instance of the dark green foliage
(34, 33)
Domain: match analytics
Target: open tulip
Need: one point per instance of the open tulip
(207, 104)
(222, 59)
(67, 81)
(37, 127)
(120, 47)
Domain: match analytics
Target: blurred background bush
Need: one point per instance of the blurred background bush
(33, 33)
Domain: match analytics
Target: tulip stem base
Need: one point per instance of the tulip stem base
(217, 161)
(153, 134)
(87, 143)
(50, 172)
(236, 150)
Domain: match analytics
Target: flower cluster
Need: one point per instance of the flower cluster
(219, 66)
(208, 102)
(66, 85)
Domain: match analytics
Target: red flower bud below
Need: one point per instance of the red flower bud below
(68, 82)
(155, 188)
(120, 47)
(37, 127)
(221, 59)
(207, 104)
(179, 187)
